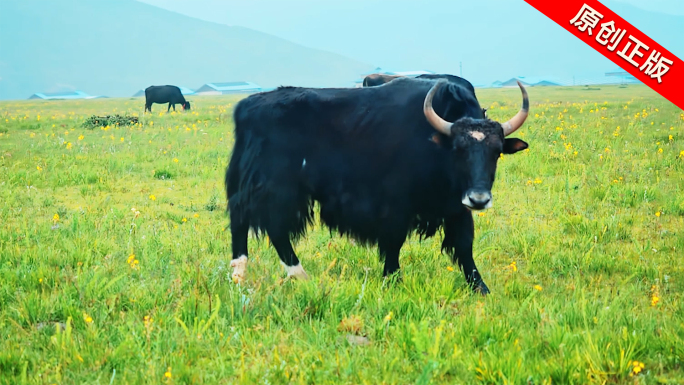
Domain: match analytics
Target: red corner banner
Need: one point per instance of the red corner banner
(621, 42)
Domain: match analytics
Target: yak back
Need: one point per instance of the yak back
(451, 78)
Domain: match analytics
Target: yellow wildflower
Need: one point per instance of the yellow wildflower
(196, 215)
(449, 268)
(537, 287)
(80, 137)
(655, 295)
(55, 218)
(175, 160)
(132, 262)
(185, 220)
(513, 266)
(152, 197)
(167, 374)
(637, 367)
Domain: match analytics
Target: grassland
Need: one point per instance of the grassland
(114, 259)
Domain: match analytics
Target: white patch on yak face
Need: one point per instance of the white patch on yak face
(239, 266)
(295, 271)
(477, 135)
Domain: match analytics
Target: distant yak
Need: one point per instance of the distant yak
(165, 94)
(375, 80)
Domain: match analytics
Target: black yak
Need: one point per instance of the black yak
(165, 94)
(369, 157)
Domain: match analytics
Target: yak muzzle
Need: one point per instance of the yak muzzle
(477, 199)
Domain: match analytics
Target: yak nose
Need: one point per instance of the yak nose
(478, 199)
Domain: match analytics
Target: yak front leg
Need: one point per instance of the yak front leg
(389, 249)
(459, 232)
(288, 258)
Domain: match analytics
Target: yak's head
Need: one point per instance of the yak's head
(186, 106)
(477, 145)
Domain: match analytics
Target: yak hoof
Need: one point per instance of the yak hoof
(480, 288)
(239, 266)
(296, 272)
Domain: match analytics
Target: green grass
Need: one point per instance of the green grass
(582, 251)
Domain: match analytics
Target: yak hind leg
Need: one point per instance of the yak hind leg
(239, 232)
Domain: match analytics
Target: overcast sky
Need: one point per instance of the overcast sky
(439, 34)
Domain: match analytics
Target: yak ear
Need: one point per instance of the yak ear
(513, 145)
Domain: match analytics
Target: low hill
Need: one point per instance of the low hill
(117, 47)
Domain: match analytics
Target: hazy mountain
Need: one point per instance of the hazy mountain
(117, 47)
(495, 39)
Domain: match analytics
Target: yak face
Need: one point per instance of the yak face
(477, 145)
(186, 106)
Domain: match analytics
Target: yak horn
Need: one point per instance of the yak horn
(438, 123)
(517, 121)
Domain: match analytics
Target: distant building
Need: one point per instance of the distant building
(184, 91)
(528, 82)
(625, 77)
(513, 82)
(545, 83)
(63, 95)
(228, 88)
